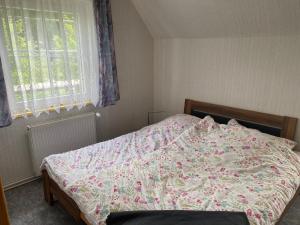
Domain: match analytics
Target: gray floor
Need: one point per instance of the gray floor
(27, 207)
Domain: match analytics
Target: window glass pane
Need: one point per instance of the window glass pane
(55, 40)
(25, 76)
(76, 78)
(74, 66)
(25, 70)
(18, 30)
(6, 33)
(69, 27)
(44, 70)
(33, 21)
(14, 72)
(42, 94)
(59, 75)
(40, 79)
(44, 53)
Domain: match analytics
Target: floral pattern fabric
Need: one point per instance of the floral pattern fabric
(208, 167)
(94, 158)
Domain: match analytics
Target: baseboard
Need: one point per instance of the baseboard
(21, 182)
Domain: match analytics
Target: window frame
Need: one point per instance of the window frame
(15, 52)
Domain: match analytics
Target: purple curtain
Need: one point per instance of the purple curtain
(109, 88)
(5, 117)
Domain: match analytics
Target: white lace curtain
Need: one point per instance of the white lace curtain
(48, 54)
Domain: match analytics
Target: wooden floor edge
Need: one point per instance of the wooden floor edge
(84, 219)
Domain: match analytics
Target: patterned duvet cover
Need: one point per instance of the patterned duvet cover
(182, 163)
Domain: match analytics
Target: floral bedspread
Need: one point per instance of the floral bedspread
(68, 167)
(208, 167)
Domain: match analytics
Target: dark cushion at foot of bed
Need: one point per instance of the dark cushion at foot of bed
(177, 217)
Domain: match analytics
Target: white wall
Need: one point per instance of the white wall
(257, 73)
(134, 51)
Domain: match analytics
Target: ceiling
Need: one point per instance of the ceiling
(219, 18)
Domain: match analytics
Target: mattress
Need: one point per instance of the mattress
(191, 164)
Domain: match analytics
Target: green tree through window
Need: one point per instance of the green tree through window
(43, 53)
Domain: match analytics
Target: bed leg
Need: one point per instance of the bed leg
(47, 192)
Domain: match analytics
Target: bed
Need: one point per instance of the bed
(167, 142)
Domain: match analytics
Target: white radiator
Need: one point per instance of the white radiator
(60, 136)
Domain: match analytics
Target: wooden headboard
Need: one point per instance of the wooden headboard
(281, 126)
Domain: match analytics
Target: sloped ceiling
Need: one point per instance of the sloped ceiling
(219, 18)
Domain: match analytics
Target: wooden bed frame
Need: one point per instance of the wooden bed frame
(286, 126)
(4, 219)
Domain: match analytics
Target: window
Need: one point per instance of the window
(51, 54)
